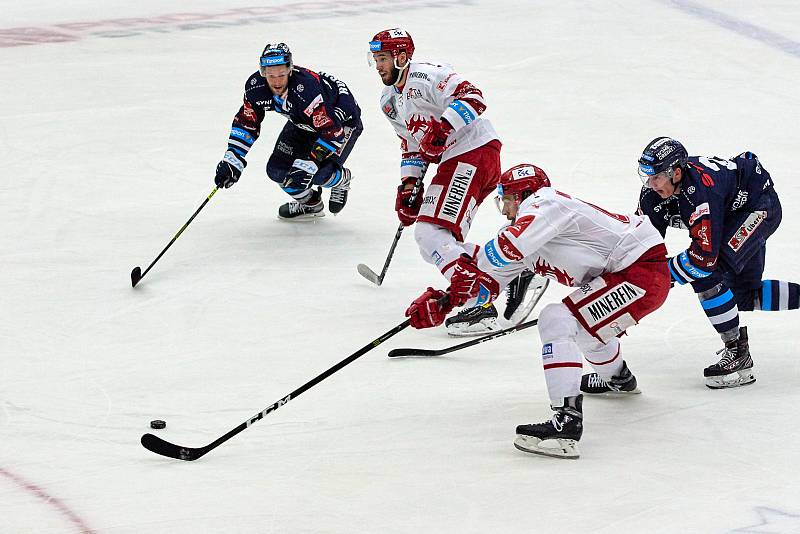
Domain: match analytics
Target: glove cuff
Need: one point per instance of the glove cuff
(305, 165)
(406, 180)
(458, 114)
(234, 160)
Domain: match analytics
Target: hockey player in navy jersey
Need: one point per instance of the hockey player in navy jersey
(324, 122)
(730, 208)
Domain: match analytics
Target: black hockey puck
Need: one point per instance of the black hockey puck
(158, 424)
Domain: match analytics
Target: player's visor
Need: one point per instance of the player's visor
(501, 199)
(648, 174)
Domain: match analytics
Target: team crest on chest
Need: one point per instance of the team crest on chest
(542, 268)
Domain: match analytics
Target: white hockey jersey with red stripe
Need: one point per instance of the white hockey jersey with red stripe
(566, 239)
(432, 92)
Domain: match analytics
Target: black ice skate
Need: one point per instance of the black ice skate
(735, 368)
(473, 321)
(618, 386)
(522, 295)
(557, 437)
(298, 211)
(339, 193)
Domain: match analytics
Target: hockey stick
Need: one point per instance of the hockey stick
(137, 274)
(368, 273)
(165, 448)
(394, 353)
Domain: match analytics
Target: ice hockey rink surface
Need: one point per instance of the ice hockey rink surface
(113, 116)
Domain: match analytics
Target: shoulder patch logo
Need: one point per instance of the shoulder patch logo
(520, 225)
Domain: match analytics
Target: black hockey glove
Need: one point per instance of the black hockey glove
(323, 149)
(300, 176)
(229, 170)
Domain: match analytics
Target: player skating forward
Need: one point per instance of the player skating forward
(617, 264)
(730, 208)
(324, 122)
(436, 113)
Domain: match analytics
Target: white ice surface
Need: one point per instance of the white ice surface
(109, 144)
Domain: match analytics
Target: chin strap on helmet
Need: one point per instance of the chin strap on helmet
(400, 69)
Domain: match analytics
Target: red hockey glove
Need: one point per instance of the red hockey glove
(426, 312)
(468, 281)
(434, 142)
(407, 208)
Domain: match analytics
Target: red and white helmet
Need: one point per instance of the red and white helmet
(522, 181)
(394, 41)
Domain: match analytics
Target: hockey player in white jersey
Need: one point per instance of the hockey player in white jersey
(615, 262)
(437, 115)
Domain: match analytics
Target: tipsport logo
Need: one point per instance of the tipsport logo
(271, 61)
(493, 256)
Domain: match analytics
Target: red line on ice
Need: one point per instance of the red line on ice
(56, 503)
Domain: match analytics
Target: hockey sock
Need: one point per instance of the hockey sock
(561, 355)
(777, 295)
(300, 196)
(720, 307)
(438, 247)
(606, 358)
(338, 179)
(563, 366)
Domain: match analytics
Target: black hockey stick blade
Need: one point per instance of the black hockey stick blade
(395, 353)
(369, 274)
(170, 450)
(136, 275)
(165, 448)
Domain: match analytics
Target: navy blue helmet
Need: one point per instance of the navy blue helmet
(661, 154)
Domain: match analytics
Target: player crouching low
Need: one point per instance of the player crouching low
(323, 124)
(615, 262)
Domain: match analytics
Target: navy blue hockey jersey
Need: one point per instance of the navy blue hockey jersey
(712, 189)
(315, 102)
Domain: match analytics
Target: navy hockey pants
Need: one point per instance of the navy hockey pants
(742, 254)
(295, 143)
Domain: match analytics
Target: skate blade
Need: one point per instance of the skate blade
(535, 292)
(303, 218)
(484, 326)
(613, 394)
(565, 449)
(733, 380)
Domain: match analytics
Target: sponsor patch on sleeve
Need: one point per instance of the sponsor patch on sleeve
(698, 212)
(746, 229)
